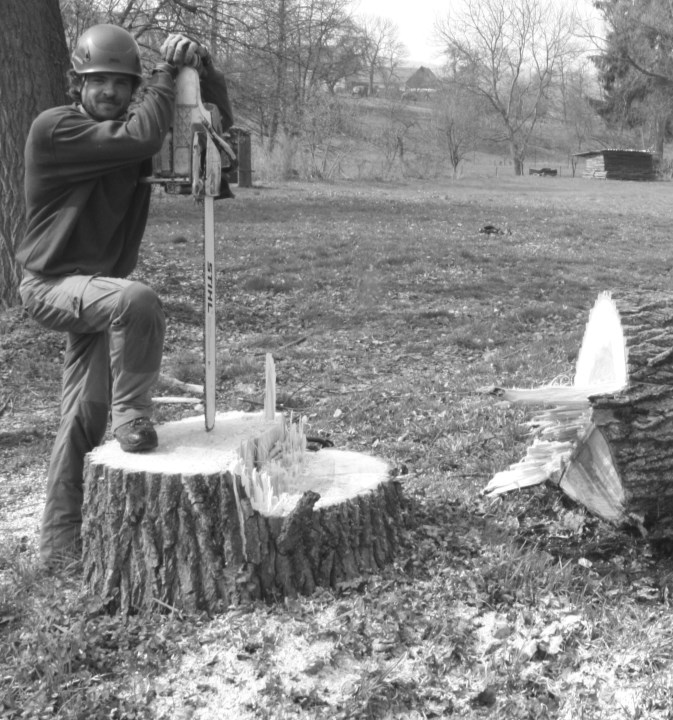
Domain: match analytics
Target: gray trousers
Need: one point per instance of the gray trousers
(113, 355)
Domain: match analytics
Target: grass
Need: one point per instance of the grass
(386, 310)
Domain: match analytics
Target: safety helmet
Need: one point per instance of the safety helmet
(107, 48)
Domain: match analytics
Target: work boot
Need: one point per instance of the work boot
(138, 435)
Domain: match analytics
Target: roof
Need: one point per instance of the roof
(422, 78)
(593, 153)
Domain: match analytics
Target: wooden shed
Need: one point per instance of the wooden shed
(617, 164)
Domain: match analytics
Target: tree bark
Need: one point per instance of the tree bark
(606, 439)
(34, 58)
(194, 540)
(637, 423)
(517, 160)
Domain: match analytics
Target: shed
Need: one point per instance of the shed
(618, 164)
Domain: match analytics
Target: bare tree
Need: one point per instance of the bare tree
(393, 135)
(282, 58)
(382, 50)
(34, 58)
(456, 121)
(341, 58)
(576, 89)
(508, 52)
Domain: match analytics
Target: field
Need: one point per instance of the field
(386, 311)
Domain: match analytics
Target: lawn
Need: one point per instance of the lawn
(386, 311)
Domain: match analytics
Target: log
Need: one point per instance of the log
(637, 422)
(613, 427)
(183, 526)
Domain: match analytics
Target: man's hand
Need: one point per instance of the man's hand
(179, 50)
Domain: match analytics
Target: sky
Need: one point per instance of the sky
(415, 20)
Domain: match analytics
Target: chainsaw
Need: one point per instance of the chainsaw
(191, 162)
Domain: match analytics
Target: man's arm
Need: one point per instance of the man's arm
(182, 50)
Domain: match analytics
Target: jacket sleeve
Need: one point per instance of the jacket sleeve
(81, 148)
(214, 90)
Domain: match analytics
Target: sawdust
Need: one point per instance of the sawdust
(24, 518)
(234, 677)
(226, 679)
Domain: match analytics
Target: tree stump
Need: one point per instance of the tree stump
(608, 439)
(178, 528)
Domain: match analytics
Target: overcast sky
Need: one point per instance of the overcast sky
(415, 20)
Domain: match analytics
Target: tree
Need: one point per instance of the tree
(381, 48)
(342, 58)
(456, 119)
(393, 133)
(508, 52)
(574, 106)
(636, 66)
(282, 56)
(34, 60)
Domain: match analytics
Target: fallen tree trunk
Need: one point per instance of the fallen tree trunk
(607, 439)
(184, 527)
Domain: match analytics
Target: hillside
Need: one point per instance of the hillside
(381, 138)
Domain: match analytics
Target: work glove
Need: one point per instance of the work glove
(179, 50)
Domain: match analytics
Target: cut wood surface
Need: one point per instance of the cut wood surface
(181, 527)
(606, 440)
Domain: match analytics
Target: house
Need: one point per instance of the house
(390, 81)
(617, 164)
(422, 79)
(421, 85)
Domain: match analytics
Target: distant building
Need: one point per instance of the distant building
(396, 81)
(422, 79)
(420, 85)
(617, 164)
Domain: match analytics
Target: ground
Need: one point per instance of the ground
(386, 310)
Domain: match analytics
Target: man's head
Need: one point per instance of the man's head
(106, 71)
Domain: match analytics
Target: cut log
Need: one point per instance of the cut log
(607, 439)
(183, 527)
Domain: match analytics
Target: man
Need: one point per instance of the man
(86, 213)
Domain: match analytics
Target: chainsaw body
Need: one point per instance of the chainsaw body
(190, 160)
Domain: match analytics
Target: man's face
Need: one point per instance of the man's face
(106, 96)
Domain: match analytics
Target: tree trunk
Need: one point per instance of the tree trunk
(517, 159)
(636, 423)
(607, 439)
(178, 528)
(660, 122)
(34, 58)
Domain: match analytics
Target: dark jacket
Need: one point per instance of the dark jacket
(86, 208)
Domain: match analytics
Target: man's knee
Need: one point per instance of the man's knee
(140, 304)
(141, 321)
